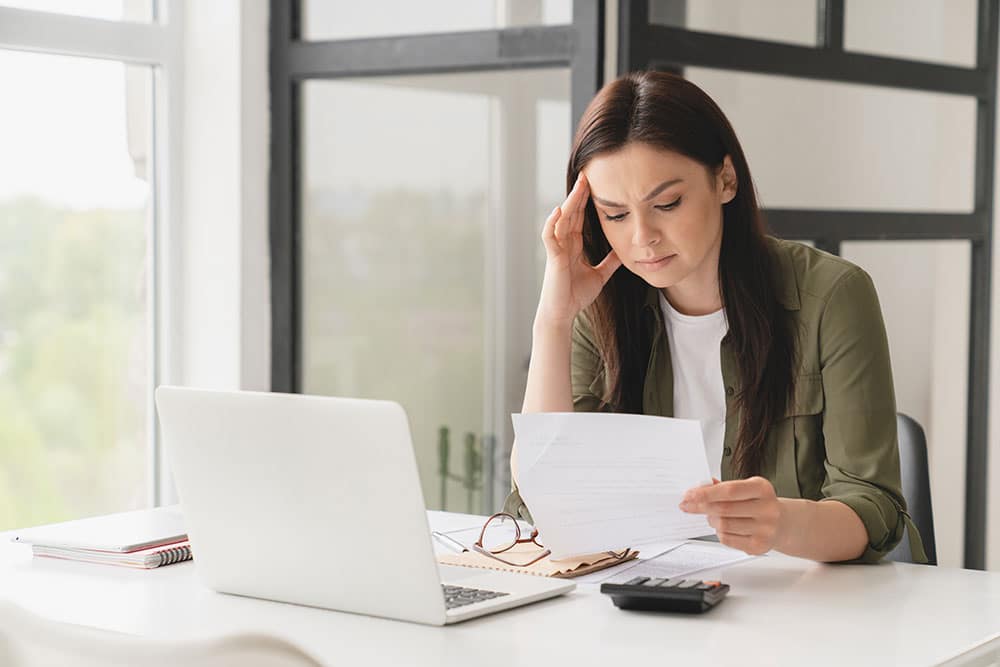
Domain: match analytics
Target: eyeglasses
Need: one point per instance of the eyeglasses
(503, 538)
(498, 537)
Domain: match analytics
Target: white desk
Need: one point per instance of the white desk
(780, 611)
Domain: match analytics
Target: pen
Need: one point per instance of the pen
(449, 542)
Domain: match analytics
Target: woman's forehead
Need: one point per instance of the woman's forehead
(635, 170)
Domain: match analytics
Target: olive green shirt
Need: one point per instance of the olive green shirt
(837, 440)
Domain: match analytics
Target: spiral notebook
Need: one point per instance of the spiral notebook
(141, 538)
(145, 559)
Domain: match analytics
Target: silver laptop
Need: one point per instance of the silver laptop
(316, 500)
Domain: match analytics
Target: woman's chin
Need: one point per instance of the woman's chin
(658, 279)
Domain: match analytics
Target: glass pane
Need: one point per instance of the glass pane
(849, 146)
(344, 19)
(792, 21)
(553, 137)
(139, 11)
(923, 287)
(420, 195)
(74, 373)
(930, 30)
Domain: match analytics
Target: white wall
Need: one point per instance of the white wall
(223, 260)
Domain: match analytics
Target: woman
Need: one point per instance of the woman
(662, 295)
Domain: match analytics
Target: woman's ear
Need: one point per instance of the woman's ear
(727, 180)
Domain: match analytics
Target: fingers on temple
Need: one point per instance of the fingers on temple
(549, 229)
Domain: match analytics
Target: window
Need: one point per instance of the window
(792, 21)
(140, 11)
(411, 175)
(900, 136)
(402, 234)
(945, 33)
(345, 19)
(80, 211)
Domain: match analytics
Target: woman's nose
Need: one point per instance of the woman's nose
(645, 234)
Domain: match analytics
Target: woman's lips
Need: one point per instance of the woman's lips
(655, 265)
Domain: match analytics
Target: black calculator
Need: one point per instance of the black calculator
(653, 594)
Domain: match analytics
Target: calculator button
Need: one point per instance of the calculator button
(713, 584)
(670, 583)
(702, 586)
(654, 582)
(636, 582)
(690, 583)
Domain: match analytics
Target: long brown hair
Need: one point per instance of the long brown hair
(668, 112)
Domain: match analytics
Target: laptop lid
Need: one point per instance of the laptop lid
(308, 499)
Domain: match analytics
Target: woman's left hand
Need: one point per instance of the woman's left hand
(746, 513)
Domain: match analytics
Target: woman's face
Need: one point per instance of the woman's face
(656, 204)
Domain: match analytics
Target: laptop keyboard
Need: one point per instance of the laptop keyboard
(459, 596)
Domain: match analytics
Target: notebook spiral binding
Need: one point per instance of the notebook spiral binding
(175, 555)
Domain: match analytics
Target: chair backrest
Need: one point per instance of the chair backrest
(28, 640)
(916, 488)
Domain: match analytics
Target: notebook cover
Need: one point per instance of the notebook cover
(122, 532)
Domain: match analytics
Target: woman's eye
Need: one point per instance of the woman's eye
(663, 207)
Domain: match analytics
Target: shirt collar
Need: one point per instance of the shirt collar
(788, 285)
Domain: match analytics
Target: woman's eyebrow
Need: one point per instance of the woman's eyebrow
(657, 190)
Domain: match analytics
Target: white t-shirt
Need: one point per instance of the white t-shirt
(699, 392)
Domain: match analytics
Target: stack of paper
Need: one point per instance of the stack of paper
(142, 538)
(598, 481)
(143, 558)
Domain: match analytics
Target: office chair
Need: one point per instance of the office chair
(916, 488)
(29, 640)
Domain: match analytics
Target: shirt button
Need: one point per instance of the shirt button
(730, 391)
(727, 451)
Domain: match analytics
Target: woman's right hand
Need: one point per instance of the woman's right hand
(571, 283)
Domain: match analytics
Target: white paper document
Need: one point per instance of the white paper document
(597, 481)
(688, 558)
(448, 522)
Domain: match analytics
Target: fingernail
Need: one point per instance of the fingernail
(685, 506)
